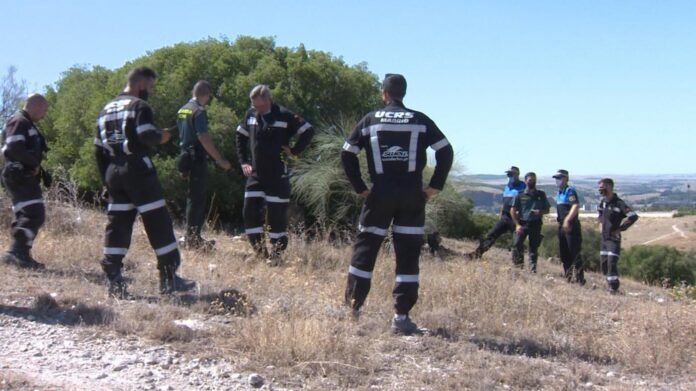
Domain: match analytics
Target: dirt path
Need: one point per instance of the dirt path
(60, 357)
(676, 229)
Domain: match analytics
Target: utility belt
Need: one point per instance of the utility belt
(18, 173)
(188, 157)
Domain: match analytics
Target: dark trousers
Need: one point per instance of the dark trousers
(569, 246)
(407, 212)
(531, 229)
(27, 204)
(609, 253)
(502, 226)
(195, 198)
(135, 189)
(266, 200)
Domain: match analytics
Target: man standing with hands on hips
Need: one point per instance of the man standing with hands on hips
(263, 136)
(395, 140)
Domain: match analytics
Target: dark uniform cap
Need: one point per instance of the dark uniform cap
(561, 174)
(513, 170)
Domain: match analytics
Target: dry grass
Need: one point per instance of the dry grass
(493, 325)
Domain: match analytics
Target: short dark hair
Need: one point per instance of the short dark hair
(140, 73)
(531, 173)
(202, 88)
(394, 84)
(607, 182)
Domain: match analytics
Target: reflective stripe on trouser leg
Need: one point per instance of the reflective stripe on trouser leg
(160, 233)
(29, 211)
(253, 213)
(365, 249)
(609, 255)
(26, 224)
(147, 195)
(119, 229)
(409, 212)
(278, 220)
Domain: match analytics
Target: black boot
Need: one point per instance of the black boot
(22, 259)
(170, 282)
(116, 285)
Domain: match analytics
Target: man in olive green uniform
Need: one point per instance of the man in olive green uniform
(196, 144)
(528, 209)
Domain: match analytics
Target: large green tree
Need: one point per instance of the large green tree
(316, 84)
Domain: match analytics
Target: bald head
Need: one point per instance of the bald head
(36, 106)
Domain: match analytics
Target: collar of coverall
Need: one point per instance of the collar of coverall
(26, 115)
(396, 102)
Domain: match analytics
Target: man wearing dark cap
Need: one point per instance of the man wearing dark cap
(196, 144)
(24, 148)
(528, 209)
(615, 216)
(395, 140)
(569, 230)
(505, 223)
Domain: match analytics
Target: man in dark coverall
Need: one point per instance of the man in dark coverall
(24, 147)
(615, 216)
(395, 140)
(263, 137)
(196, 144)
(125, 131)
(527, 212)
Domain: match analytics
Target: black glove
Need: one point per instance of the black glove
(46, 177)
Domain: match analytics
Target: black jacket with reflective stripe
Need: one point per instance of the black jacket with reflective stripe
(395, 140)
(124, 127)
(260, 139)
(23, 142)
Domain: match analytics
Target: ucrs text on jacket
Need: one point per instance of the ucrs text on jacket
(395, 140)
(260, 142)
(125, 131)
(615, 216)
(24, 147)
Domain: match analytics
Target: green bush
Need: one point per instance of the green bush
(658, 265)
(315, 84)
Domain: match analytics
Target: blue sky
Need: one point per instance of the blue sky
(596, 87)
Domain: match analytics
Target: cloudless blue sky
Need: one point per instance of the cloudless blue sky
(596, 87)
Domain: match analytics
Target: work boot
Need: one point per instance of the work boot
(404, 326)
(23, 260)
(170, 282)
(116, 286)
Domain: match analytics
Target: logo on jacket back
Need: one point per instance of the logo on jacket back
(395, 154)
(394, 117)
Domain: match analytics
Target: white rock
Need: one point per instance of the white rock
(611, 374)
